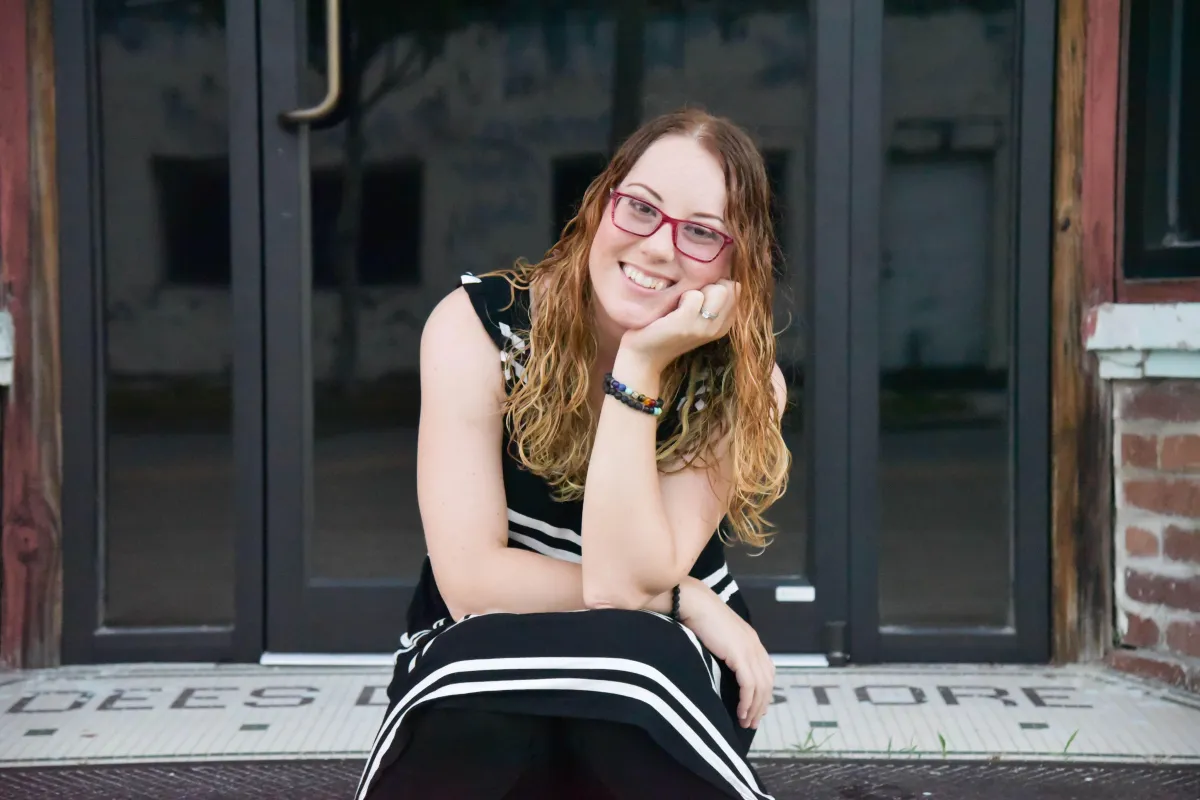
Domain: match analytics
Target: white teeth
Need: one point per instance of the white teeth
(642, 279)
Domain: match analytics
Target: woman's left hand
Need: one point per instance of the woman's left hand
(703, 316)
(731, 639)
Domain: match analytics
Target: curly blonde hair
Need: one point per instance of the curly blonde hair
(547, 411)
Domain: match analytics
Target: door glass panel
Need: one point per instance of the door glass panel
(463, 143)
(753, 68)
(945, 287)
(168, 540)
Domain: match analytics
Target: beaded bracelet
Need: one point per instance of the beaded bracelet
(631, 398)
(675, 603)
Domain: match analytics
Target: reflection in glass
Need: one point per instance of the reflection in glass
(463, 147)
(945, 550)
(168, 532)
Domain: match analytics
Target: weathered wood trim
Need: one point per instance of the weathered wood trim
(1099, 200)
(14, 261)
(1181, 291)
(1084, 243)
(30, 543)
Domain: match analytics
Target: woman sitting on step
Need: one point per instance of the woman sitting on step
(589, 424)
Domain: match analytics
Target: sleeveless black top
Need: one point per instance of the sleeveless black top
(536, 520)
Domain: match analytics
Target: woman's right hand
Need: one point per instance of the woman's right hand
(731, 639)
(684, 329)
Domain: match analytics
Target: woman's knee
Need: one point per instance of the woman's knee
(631, 764)
(456, 752)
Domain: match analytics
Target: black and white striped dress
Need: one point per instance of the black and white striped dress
(636, 667)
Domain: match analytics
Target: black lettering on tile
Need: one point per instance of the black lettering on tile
(777, 698)
(254, 726)
(273, 699)
(951, 694)
(1034, 726)
(22, 706)
(820, 693)
(1035, 695)
(917, 695)
(126, 696)
(186, 697)
(822, 723)
(40, 731)
(367, 696)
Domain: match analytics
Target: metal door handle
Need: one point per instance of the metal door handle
(333, 71)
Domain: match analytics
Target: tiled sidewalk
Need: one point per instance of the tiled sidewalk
(146, 713)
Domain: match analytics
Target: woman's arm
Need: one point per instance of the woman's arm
(642, 530)
(460, 483)
(635, 544)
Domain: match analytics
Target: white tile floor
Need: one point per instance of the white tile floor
(157, 712)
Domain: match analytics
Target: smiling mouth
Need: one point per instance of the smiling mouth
(643, 280)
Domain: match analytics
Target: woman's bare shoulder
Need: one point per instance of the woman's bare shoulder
(779, 383)
(456, 348)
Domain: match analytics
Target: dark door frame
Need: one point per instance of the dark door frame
(1027, 639)
(303, 614)
(272, 450)
(307, 614)
(80, 180)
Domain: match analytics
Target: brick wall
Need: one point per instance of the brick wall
(1157, 475)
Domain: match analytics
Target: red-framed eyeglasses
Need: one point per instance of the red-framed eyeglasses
(642, 218)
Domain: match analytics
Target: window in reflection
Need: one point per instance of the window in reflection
(162, 107)
(571, 176)
(511, 110)
(385, 240)
(944, 291)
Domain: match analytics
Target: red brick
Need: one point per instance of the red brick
(1177, 497)
(1141, 632)
(1139, 451)
(1181, 545)
(1148, 666)
(1184, 638)
(1181, 453)
(1140, 543)
(1162, 590)
(1167, 401)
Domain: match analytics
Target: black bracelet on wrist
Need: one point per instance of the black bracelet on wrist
(630, 397)
(675, 603)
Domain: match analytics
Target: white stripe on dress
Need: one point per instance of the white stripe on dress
(710, 662)
(516, 366)
(545, 549)
(408, 643)
(747, 787)
(718, 576)
(743, 788)
(545, 527)
(517, 342)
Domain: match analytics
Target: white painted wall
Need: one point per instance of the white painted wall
(478, 121)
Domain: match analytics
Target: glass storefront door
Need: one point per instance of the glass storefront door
(244, 290)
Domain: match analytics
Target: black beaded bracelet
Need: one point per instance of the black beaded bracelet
(631, 398)
(675, 603)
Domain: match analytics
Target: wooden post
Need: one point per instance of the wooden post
(1084, 259)
(30, 543)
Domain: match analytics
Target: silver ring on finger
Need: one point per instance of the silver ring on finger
(704, 312)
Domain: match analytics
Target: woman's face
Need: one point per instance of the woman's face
(638, 279)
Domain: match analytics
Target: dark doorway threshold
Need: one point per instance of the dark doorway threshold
(791, 779)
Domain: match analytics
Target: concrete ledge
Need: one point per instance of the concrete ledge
(1136, 340)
